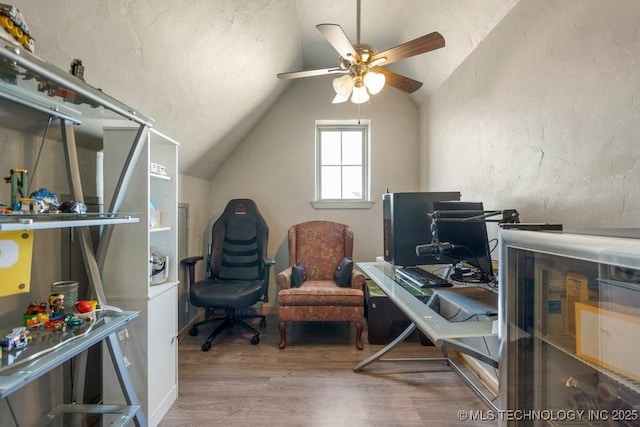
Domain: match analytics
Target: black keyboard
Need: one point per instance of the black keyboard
(421, 277)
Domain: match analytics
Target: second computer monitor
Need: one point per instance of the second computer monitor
(469, 238)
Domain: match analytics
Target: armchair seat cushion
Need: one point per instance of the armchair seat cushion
(234, 294)
(319, 293)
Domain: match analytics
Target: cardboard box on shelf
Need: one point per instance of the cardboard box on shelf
(608, 334)
(576, 291)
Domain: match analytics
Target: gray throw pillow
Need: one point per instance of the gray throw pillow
(298, 275)
(342, 275)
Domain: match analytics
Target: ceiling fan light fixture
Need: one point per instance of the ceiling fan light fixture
(359, 95)
(343, 85)
(374, 82)
(340, 98)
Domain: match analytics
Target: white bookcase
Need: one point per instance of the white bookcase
(151, 347)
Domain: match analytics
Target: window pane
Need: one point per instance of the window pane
(329, 148)
(352, 182)
(330, 184)
(352, 148)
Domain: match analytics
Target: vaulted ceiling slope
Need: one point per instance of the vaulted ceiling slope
(205, 70)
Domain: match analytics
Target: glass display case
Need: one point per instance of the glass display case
(570, 327)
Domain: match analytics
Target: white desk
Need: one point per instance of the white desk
(440, 331)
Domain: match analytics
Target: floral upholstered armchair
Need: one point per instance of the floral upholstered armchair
(309, 291)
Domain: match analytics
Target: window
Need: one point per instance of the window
(342, 172)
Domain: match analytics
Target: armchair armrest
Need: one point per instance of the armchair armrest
(358, 279)
(284, 278)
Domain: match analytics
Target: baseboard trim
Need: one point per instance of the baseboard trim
(484, 373)
(182, 333)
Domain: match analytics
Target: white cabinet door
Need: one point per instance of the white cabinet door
(163, 353)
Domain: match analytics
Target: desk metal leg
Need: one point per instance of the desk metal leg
(79, 376)
(390, 346)
(125, 380)
(445, 358)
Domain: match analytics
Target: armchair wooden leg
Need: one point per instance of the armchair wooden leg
(359, 328)
(283, 335)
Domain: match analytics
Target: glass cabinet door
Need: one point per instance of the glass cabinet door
(571, 332)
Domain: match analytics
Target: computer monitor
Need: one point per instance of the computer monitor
(469, 238)
(406, 224)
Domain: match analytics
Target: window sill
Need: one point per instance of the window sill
(356, 204)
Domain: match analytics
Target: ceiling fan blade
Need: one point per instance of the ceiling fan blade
(311, 73)
(339, 40)
(414, 47)
(399, 81)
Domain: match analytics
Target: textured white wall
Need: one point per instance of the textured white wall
(201, 69)
(544, 116)
(196, 193)
(275, 164)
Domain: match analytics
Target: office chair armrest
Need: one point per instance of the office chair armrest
(190, 264)
(191, 260)
(284, 278)
(358, 279)
(268, 262)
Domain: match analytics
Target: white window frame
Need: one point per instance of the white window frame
(363, 203)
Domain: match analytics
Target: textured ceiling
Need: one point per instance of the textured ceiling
(206, 70)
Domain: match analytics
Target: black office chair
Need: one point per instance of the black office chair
(237, 270)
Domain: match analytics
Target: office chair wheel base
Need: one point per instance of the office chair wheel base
(255, 339)
(263, 323)
(193, 331)
(206, 346)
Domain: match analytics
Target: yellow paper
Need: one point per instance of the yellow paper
(16, 248)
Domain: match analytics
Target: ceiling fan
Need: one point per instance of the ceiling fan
(362, 65)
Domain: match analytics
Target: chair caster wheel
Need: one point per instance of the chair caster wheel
(255, 340)
(193, 331)
(206, 346)
(263, 323)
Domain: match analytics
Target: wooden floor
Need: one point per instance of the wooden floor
(311, 382)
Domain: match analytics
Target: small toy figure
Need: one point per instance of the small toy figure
(85, 306)
(18, 179)
(35, 315)
(17, 338)
(36, 308)
(32, 308)
(47, 199)
(56, 303)
(15, 28)
(77, 69)
(74, 321)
